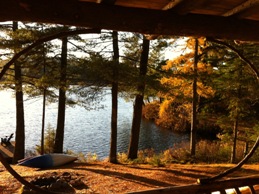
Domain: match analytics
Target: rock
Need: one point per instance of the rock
(52, 182)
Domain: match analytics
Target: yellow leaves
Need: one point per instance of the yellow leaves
(183, 87)
(185, 65)
(191, 43)
(201, 67)
(176, 108)
(178, 62)
(182, 68)
(164, 107)
(173, 115)
(187, 68)
(172, 81)
(178, 87)
(201, 43)
(168, 65)
(205, 91)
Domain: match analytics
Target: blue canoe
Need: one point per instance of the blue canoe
(47, 160)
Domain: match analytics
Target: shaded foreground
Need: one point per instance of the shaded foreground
(103, 177)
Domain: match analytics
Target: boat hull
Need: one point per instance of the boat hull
(48, 160)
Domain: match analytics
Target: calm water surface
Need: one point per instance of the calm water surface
(85, 130)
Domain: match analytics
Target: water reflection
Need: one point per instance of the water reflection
(85, 130)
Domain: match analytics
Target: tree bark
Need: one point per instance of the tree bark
(43, 122)
(233, 154)
(43, 104)
(59, 139)
(236, 121)
(114, 116)
(20, 126)
(194, 102)
(137, 111)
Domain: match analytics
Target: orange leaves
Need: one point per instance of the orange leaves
(182, 73)
(173, 115)
(205, 91)
(201, 43)
(177, 87)
(178, 62)
(180, 65)
(175, 110)
(182, 87)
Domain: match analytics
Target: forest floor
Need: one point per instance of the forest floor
(103, 177)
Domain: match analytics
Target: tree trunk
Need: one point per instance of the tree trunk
(20, 128)
(59, 139)
(137, 112)
(43, 103)
(233, 155)
(114, 116)
(194, 102)
(43, 122)
(236, 121)
(246, 149)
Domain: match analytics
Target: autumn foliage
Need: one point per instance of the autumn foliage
(174, 111)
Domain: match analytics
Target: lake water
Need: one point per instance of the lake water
(85, 130)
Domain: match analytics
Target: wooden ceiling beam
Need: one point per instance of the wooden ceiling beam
(108, 2)
(246, 5)
(172, 4)
(145, 21)
(187, 6)
(168, 6)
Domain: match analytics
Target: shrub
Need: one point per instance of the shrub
(49, 141)
(206, 152)
(155, 160)
(255, 157)
(150, 111)
(174, 116)
(167, 156)
(181, 153)
(212, 152)
(92, 157)
(81, 157)
(122, 158)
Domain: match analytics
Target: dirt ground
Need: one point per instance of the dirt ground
(103, 177)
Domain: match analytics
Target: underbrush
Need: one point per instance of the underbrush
(81, 157)
(206, 152)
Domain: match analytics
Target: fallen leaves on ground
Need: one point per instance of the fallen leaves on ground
(103, 177)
